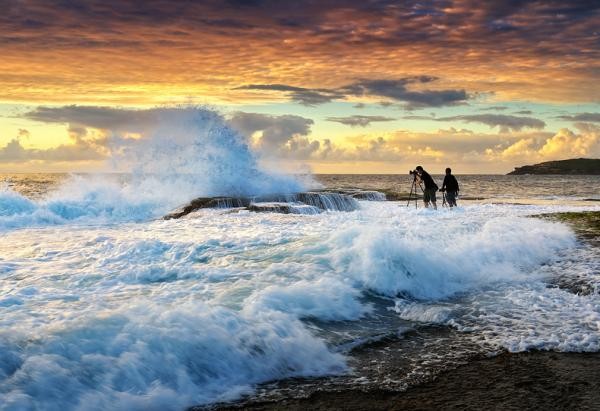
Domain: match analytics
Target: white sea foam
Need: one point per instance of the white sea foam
(167, 314)
(446, 260)
(326, 299)
(150, 356)
(534, 317)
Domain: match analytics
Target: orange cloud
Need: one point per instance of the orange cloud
(156, 51)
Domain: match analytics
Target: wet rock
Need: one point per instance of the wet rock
(310, 202)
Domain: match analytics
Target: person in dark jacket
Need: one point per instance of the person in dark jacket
(450, 186)
(430, 187)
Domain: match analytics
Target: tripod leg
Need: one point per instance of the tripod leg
(416, 196)
(410, 195)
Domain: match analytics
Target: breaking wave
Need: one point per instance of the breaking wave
(168, 314)
(183, 153)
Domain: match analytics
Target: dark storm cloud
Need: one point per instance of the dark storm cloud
(359, 121)
(396, 90)
(584, 117)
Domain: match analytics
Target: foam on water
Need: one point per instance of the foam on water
(152, 356)
(166, 314)
(326, 299)
(434, 262)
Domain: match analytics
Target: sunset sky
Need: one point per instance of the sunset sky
(338, 86)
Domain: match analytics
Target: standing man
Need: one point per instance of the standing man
(430, 187)
(450, 185)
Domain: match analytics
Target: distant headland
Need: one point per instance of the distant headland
(572, 166)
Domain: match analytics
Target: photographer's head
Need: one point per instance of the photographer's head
(448, 170)
(419, 169)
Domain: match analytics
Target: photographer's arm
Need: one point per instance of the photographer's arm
(444, 183)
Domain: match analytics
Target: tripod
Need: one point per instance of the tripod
(413, 191)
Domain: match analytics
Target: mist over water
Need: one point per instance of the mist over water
(193, 150)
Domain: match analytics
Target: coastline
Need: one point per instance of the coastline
(528, 380)
(525, 380)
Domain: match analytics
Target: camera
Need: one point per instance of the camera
(412, 172)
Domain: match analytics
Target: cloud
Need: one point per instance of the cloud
(93, 131)
(418, 117)
(587, 117)
(524, 112)
(494, 108)
(103, 118)
(271, 136)
(396, 90)
(23, 133)
(327, 43)
(300, 95)
(14, 152)
(284, 136)
(505, 122)
(87, 128)
(359, 121)
(566, 143)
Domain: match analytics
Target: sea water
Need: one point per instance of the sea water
(104, 305)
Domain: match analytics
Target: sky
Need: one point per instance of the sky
(369, 86)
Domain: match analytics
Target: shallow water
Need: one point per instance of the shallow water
(105, 306)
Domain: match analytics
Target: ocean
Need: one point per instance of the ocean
(105, 305)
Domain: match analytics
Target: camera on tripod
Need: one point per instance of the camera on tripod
(413, 172)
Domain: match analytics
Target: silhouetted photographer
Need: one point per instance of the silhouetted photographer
(450, 186)
(430, 186)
